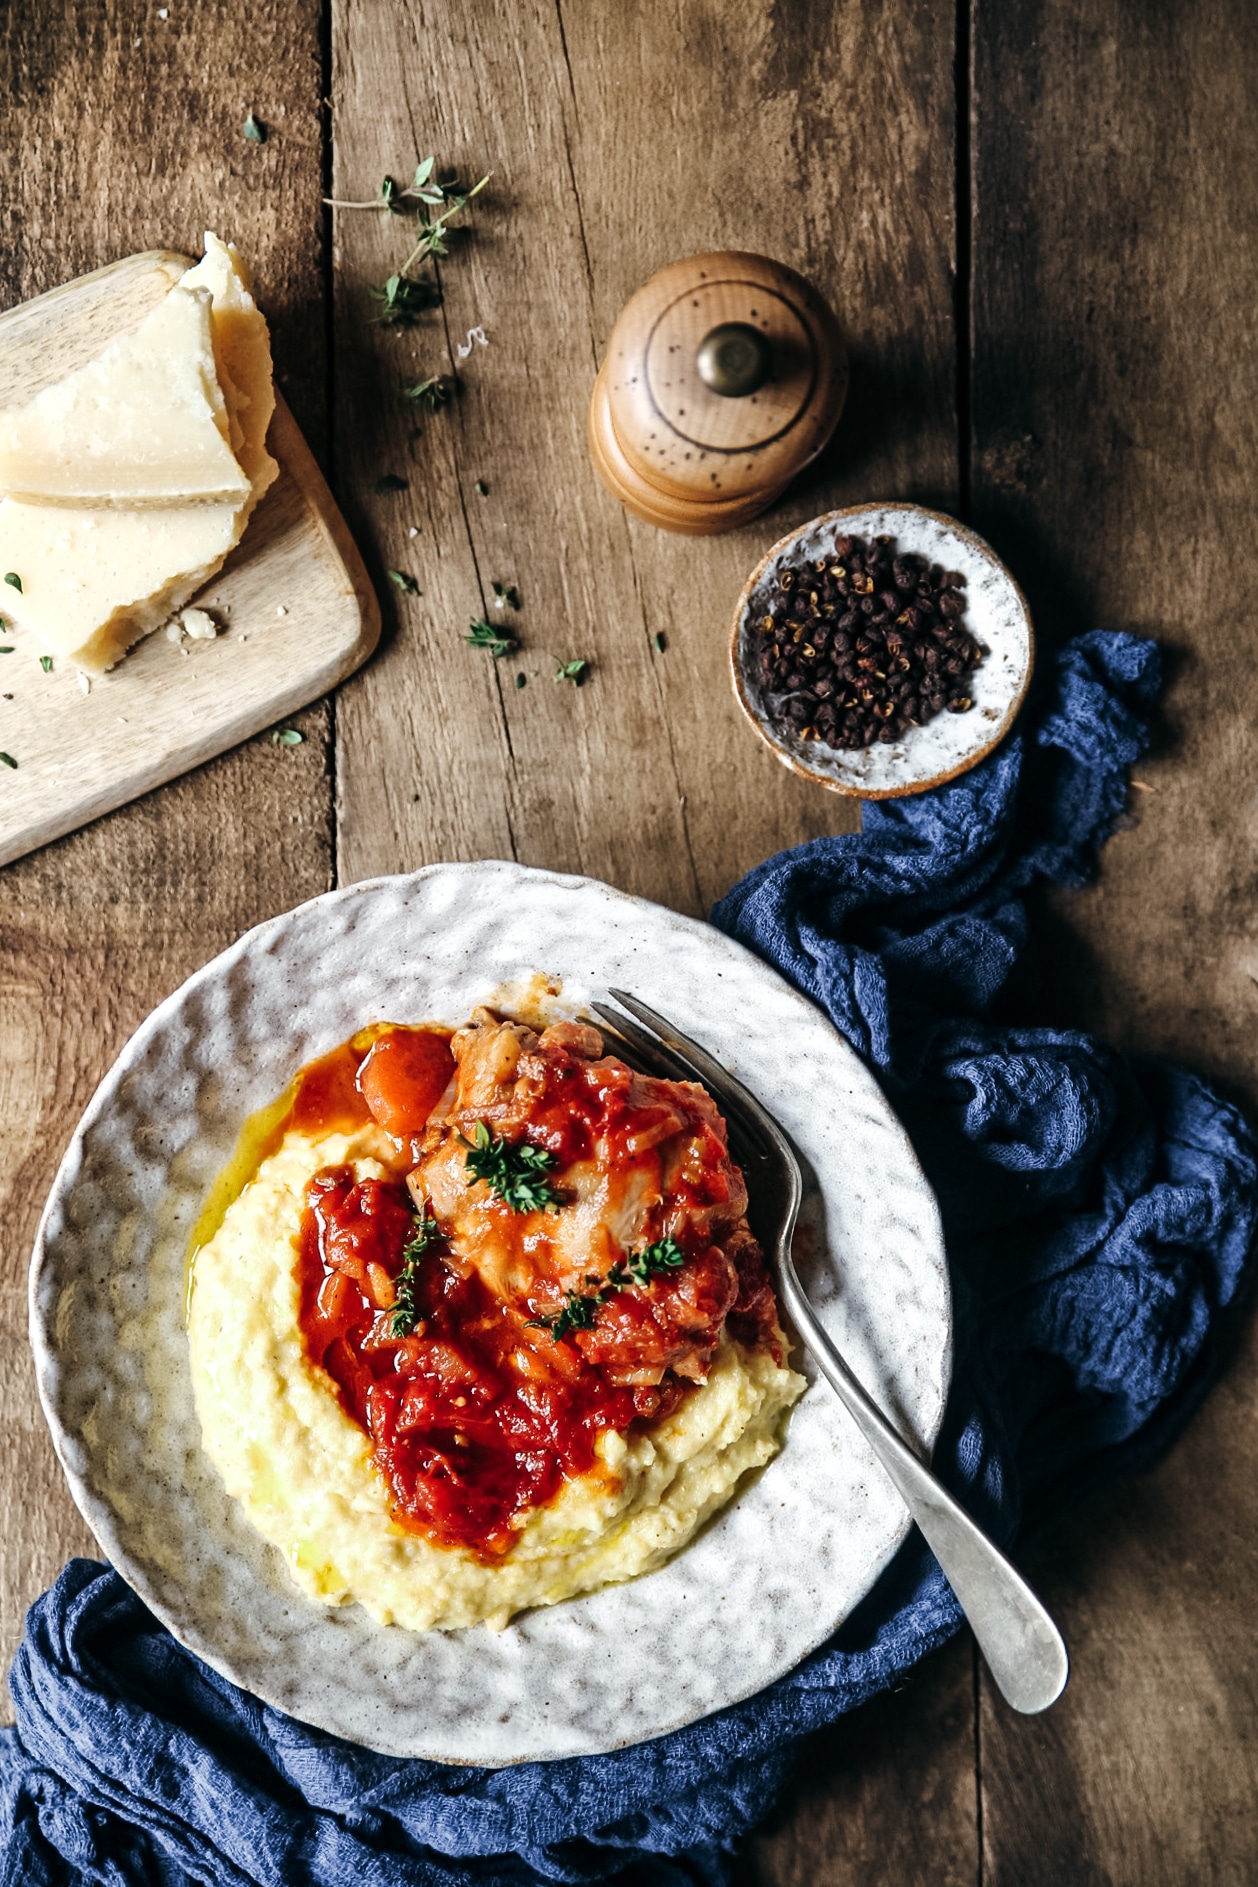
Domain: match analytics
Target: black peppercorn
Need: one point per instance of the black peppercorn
(867, 615)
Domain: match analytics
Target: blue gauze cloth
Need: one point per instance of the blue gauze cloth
(1099, 1214)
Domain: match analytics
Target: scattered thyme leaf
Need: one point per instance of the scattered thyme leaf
(402, 300)
(6, 648)
(405, 1313)
(575, 672)
(521, 680)
(506, 596)
(653, 1260)
(11, 576)
(391, 482)
(482, 488)
(286, 737)
(45, 662)
(581, 1308)
(393, 198)
(513, 1169)
(7, 760)
(431, 395)
(658, 642)
(405, 583)
(254, 130)
(483, 635)
(578, 1313)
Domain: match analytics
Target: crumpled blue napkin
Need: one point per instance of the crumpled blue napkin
(1099, 1215)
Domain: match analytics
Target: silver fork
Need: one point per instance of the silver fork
(1023, 1648)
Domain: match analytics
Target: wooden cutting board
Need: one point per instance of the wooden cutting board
(298, 609)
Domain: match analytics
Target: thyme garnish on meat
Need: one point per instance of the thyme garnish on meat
(651, 1262)
(405, 1313)
(513, 1169)
(581, 1307)
(578, 1313)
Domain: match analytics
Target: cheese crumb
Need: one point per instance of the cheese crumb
(281, 611)
(85, 683)
(199, 625)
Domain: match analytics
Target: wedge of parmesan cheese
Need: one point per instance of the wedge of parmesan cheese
(96, 577)
(94, 582)
(145, 424)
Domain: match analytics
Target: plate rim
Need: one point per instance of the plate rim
(99, 1513)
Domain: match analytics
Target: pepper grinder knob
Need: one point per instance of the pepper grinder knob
(734, 360)
(725, 374)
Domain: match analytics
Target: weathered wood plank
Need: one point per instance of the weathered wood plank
(107, 147)
(1115, 397)
(1145, 1774)
(886, 1797)
(441, 753)
(708, 127)
(617, 142)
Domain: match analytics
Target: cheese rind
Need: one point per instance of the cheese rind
(94, 582)
(145, 424)
(242, 358)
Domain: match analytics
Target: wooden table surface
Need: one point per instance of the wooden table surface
(1038, 226)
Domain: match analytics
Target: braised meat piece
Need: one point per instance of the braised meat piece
(627, 1165)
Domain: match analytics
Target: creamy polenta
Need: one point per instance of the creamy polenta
(304, 1470)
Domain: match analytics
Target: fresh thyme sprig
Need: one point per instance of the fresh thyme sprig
(513, 1169)
(580, 1308)
(405, 1313)
(651, 1262)
(483, 635)
(404, 297)
(578, 1313)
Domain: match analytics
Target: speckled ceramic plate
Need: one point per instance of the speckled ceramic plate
(766, 1581)
(996, 613)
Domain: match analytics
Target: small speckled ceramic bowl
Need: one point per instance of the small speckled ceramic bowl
(996, 615)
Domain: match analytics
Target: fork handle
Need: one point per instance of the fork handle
(1023, 1648)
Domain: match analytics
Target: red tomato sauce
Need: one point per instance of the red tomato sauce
(474, 1418)
(471, 1425)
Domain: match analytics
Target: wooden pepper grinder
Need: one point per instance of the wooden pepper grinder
(724, 376)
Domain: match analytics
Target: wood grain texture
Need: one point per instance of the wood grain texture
(1115, 430)
(296, 609)
(885, 1797)
(589, 121)
(96, 929)
(1146, 1773)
